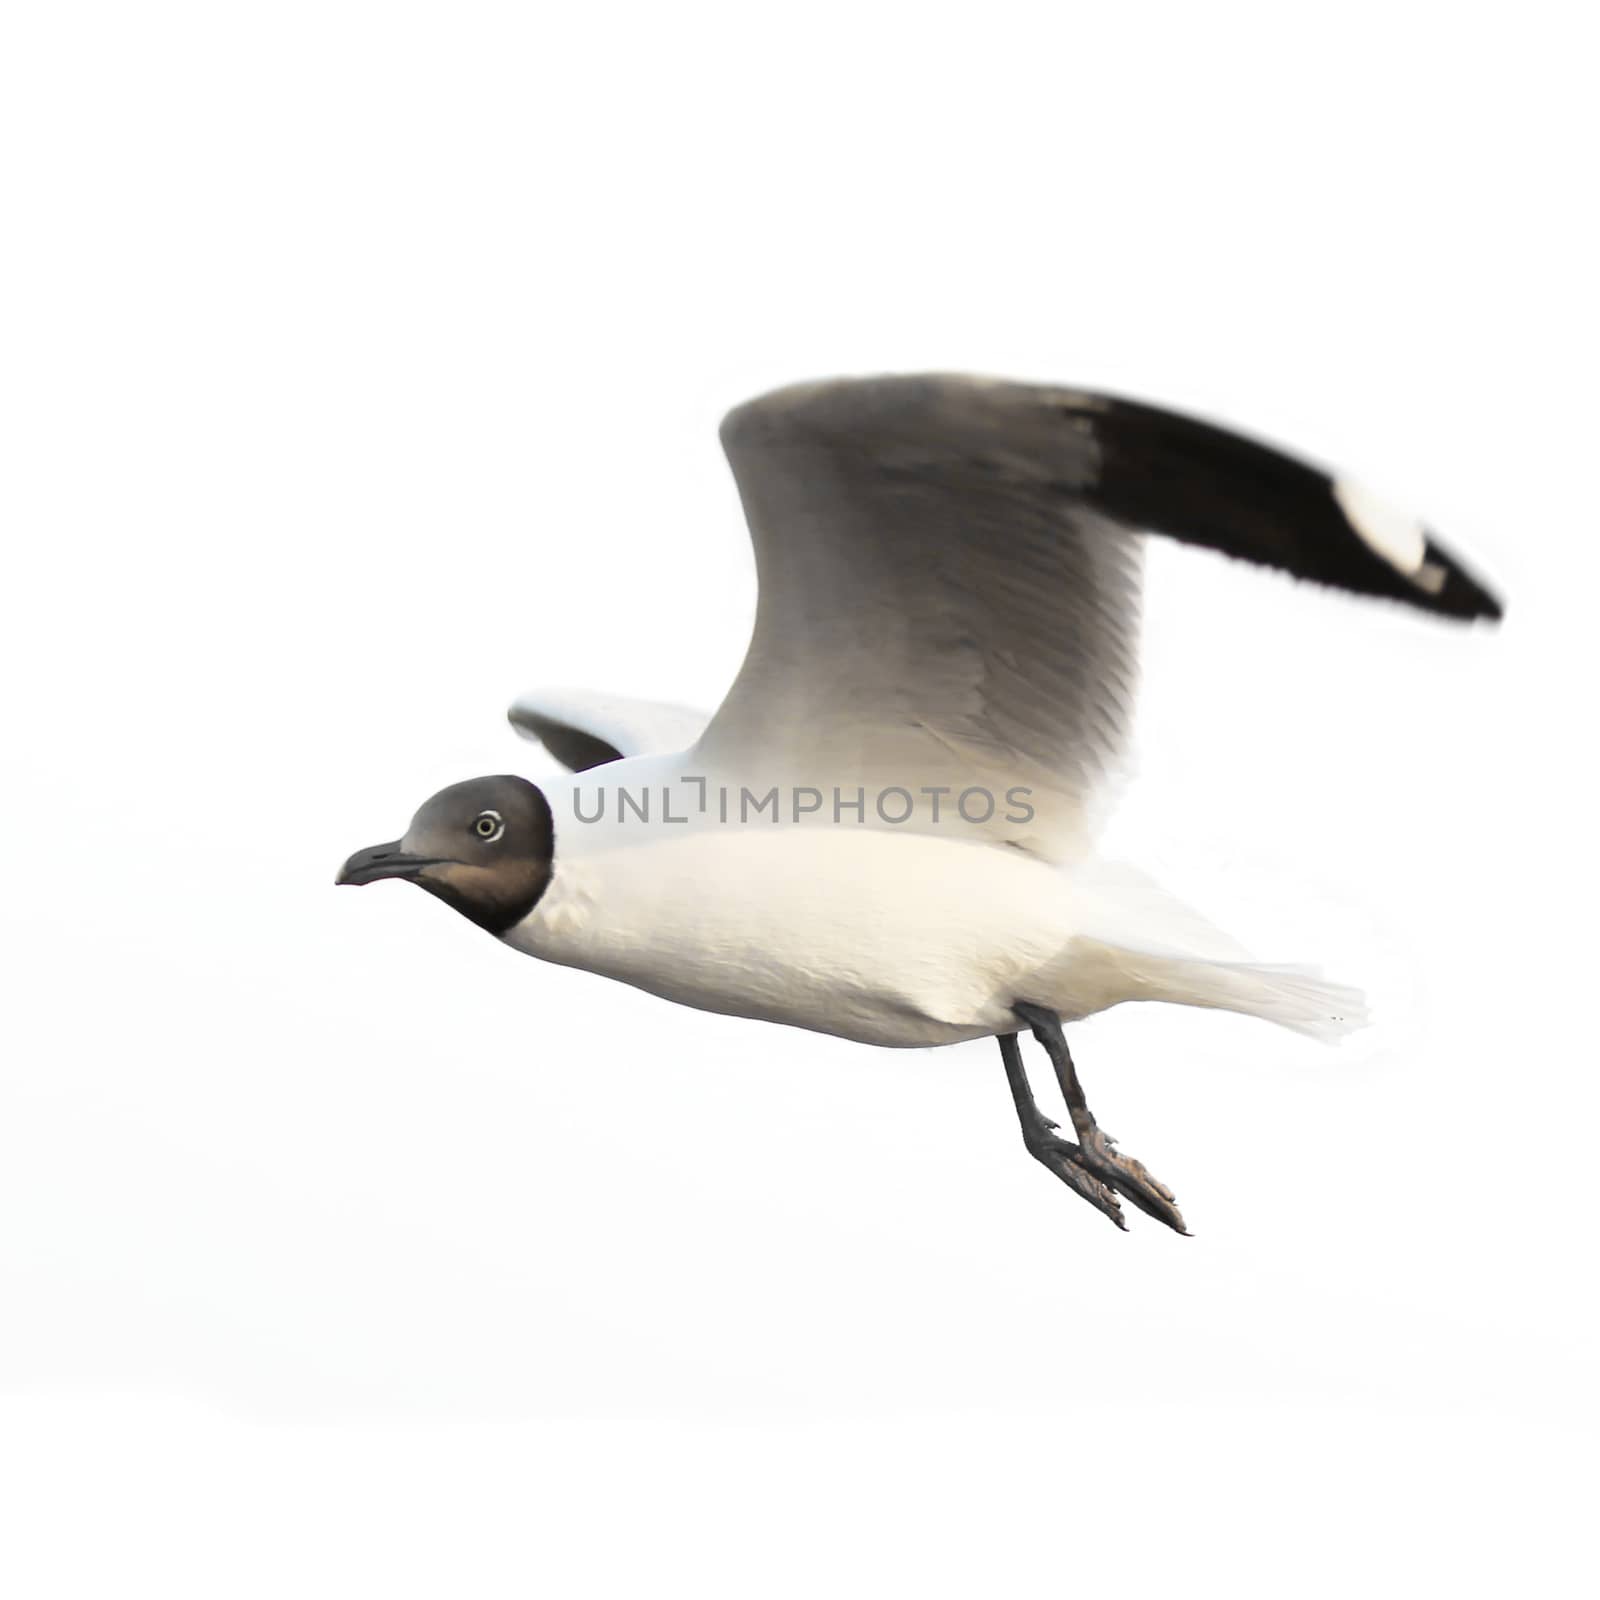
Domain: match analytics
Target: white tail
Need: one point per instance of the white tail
(1293, 997)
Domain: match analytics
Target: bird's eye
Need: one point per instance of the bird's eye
(489, 826)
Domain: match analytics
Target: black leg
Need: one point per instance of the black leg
(1096, 1152)
(1060, 1155)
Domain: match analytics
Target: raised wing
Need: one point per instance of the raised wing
(583, 730)
(949, 579)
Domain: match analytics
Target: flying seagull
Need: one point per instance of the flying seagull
(886, 831)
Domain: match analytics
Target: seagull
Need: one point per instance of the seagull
(887, 831)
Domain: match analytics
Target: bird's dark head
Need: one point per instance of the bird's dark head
(484, 847)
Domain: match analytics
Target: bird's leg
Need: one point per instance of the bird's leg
(1039, 1134)
(1097, 1149)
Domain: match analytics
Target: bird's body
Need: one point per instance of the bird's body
(887, 831)
(886, 937)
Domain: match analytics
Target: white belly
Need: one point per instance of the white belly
(883, 938)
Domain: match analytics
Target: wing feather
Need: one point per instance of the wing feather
(949, 577)
(583, 730)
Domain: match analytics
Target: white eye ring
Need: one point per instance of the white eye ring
(489, 825)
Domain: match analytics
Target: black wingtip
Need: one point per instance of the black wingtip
(1204, 485)
(1459, 594)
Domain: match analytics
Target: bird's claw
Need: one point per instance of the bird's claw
(1067, 1161)
(1132, 1179)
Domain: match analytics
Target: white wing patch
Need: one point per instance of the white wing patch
(1399, 538)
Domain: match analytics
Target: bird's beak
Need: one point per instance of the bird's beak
(383, 861)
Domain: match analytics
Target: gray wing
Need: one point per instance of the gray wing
(949, 575)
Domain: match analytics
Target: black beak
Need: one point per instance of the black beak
(383, 861)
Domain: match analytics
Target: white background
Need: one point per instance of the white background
(361, 367)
